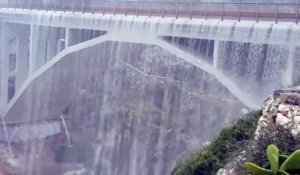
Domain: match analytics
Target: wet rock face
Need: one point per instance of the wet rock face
(145, 109)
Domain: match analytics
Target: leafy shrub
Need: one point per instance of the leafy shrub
(280, 164)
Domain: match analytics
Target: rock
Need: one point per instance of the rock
(267, 101)
(226, 172)
(289, 95)
(283, 97)
(290, 114)
(270, 107)
(298, 101)
(232, 172)
(296, 112)
(222, 172)
(297, 119)
(263, 122)
(287, 90)
(284, 107)
(293, 98)
(287, 108)
(295, 131)
(284, 113)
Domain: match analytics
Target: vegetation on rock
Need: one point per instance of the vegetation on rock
(213, 157)
(280, 164)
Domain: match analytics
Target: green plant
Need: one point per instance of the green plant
(280, 164)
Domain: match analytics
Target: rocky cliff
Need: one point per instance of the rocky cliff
(279, 125)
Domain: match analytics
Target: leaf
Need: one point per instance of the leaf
(273, 156)
(274, 163)
(282, 159)
(272, 149)
(281, 172)
(293, 162)
(256, 170)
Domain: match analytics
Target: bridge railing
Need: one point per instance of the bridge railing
(192, 9)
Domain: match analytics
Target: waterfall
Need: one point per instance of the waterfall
(139, 94)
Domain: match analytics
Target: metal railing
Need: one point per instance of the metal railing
(193, 9)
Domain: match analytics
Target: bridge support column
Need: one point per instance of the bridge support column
(14, 59)
(4, 65)
(33, 53)
(22, 60)
(216, 54)
(67, 38)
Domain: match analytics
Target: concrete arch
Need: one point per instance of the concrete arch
(18, 103)
(17, 107)
(225, 81)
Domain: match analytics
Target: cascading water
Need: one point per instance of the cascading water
(136, 100)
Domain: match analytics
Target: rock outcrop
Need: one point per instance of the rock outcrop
(279, 125)
(281, 109)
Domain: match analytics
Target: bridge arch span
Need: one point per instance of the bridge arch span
(37, 85)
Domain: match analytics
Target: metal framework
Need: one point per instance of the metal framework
(192, 9)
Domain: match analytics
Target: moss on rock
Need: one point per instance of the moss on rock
(213, 157)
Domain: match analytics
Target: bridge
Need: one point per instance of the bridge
(202, 63)
(188, 9)
(24, 24)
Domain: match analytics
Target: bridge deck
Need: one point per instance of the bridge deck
(239, 11)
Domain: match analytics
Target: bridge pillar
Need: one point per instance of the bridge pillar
(14, 59)
(4, 65)
(22, 60)
(216, 54)
(67, 37)
(34, 45)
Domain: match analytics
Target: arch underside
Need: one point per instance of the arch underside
(47, 76)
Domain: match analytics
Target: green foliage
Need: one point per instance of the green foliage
(273, 156)
(214, 156)
(280, 164)
(292, 162)
(280, 172)
(257, 170)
